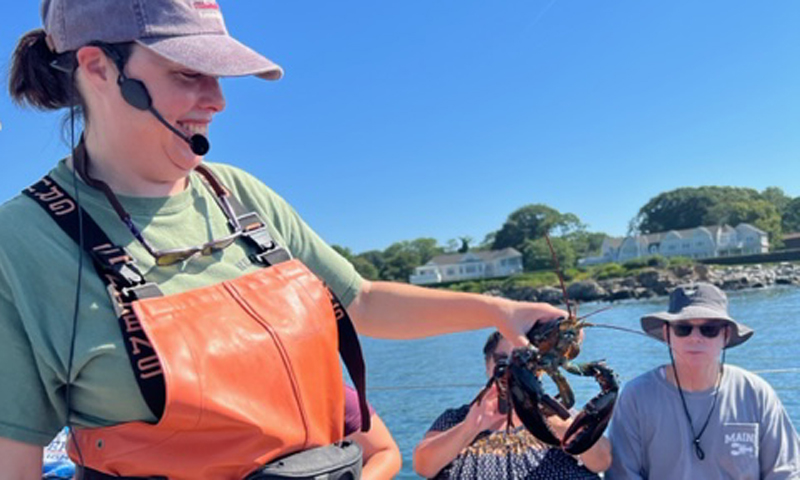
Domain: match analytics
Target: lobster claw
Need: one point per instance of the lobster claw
(527, 393)
(592, 421)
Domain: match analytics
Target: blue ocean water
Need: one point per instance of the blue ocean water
(412, 382)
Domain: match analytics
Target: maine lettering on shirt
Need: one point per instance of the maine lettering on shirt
(742, 439)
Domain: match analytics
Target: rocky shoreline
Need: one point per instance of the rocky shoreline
(654, 282)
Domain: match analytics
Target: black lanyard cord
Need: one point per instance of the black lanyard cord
(68, 386)
(698, 450)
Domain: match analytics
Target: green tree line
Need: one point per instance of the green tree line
(770, 210)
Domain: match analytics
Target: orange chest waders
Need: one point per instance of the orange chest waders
(249, 367)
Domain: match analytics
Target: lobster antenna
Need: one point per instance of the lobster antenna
(614, 327)
(607, 307)
(559, 273)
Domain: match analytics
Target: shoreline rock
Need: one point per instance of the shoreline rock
(654, 282)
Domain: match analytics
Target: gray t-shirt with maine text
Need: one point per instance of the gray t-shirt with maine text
(749, 434)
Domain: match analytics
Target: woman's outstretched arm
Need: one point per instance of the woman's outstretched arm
(401, 311)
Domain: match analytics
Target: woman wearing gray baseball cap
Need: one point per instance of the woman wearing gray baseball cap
(698, 417)
(204, 361)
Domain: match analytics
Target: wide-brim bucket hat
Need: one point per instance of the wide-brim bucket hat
(696, 301)
(191, 33)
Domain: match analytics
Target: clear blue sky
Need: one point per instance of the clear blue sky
(399, 120)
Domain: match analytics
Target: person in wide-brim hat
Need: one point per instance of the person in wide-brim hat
(697, 301)
(698, 417)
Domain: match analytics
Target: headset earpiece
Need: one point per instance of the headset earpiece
(134, 92)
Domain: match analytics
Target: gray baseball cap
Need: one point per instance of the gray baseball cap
(191, 33)
(696, 301)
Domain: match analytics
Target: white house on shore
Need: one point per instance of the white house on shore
(468, 266)
(700, 242)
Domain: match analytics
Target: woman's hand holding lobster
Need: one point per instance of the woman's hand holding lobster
(520, 317)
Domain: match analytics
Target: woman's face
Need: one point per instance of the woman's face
(186, 99)
(695, 349)
(503, 349)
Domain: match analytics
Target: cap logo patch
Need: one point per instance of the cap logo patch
(207, 9)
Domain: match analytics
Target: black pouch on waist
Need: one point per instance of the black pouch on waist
(340, 461)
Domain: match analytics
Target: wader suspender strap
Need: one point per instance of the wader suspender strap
(126, 284)
(123, 281)
(270, 253)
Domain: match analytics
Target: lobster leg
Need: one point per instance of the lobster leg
(564, 390)
(589, 425)
(566, 399)
(526, 393)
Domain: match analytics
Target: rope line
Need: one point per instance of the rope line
(440, 386)
(778, 370)
(427, 387)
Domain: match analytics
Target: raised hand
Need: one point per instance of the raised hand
(485, 415)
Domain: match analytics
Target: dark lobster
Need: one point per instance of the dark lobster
(553, 345)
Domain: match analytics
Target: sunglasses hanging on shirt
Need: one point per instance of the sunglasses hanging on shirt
(174, 255)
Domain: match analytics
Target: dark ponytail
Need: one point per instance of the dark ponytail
(33, 81)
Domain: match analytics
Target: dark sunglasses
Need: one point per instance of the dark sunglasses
(708, 330)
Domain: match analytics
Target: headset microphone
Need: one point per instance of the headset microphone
(135, 93)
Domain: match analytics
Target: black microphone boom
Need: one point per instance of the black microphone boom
(198, 143)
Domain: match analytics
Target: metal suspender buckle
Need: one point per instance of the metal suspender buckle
(140, 292)
(271, 257)
(250, 221)
(269, 252)
(121, 297)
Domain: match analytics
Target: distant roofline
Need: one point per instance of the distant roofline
(656, 236)
(485, 255)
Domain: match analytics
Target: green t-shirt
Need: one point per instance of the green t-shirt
(38, 273)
